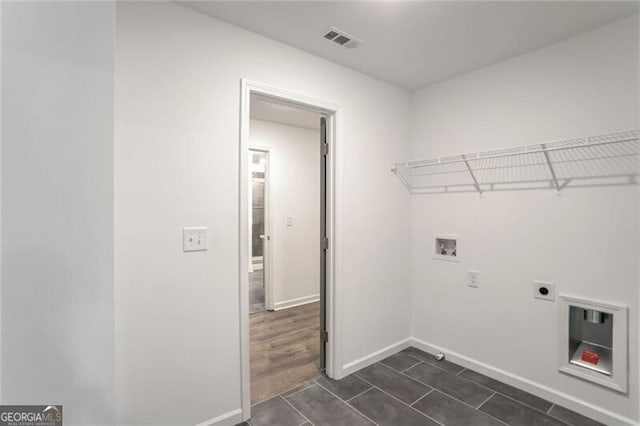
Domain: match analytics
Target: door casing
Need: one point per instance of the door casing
(331, 112)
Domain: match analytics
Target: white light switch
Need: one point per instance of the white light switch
(194, 239)
(289, 220)
(474, 278)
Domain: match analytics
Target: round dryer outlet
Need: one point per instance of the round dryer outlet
(544, 290)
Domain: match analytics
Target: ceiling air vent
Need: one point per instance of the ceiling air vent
(342, 38)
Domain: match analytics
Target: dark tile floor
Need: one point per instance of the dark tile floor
(412, 388)
(256, 291)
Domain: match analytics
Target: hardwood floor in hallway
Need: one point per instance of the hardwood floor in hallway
(285, 348)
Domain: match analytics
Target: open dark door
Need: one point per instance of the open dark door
(324, 243)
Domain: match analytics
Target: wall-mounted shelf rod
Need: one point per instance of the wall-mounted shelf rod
(612, 158)
(519, 150)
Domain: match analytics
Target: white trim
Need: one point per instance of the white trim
(376, 356)
(227, 419)
(278, 306)
(333, 307)
(585, 408)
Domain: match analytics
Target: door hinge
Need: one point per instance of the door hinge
(325, 149)
(325, 243)
(324, 335)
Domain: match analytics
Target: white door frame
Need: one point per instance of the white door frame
(267, 253)
(334, 313)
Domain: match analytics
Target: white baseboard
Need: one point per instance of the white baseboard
(372, 358)
(579, 406)
(227, 419)
(277, 306)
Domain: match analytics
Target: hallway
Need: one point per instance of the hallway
(285, 347)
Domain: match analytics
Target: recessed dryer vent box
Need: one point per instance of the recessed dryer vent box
(446, 247)
(593, 341)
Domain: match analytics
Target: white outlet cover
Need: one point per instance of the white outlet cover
(551, 290)
(474, 278)
(194, 239)
(290, 220)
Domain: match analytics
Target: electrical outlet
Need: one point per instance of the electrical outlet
(474, 278)
(290, 220)
(544, 290)
(194, 239)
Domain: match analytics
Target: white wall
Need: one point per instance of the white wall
(294, 188)
(586, 240)
(176, 164)
(57, 207)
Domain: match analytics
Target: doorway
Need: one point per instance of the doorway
(313, 348)
(286, 159)
(258, 244)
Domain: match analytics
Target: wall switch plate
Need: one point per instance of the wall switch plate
(290, 220)
(194, 239)
(474, 278)
(544, 290)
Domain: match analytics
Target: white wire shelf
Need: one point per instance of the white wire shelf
(604, 160)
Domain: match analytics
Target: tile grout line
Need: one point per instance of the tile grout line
(494, 418)
(491, 390)
(483, 402)
(507, 396)
(423, 397)
(459, 373)
(478, 409)
(355, 396)
(478, 384)
(404, 403)
(456, 399)
(409, 368)
(263, 400)
(297, 411)
(517, 402)
(296, 392)
(412, 408)
(563, 421)
(281, 394)
(349, 405)
(556, 418)
(432, 389)
(435, 364)
(403, 374)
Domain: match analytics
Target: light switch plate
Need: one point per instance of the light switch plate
(474, 278)
(544, 290)
(290, 220)
(194, 239)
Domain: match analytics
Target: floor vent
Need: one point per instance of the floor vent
(342, 38)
